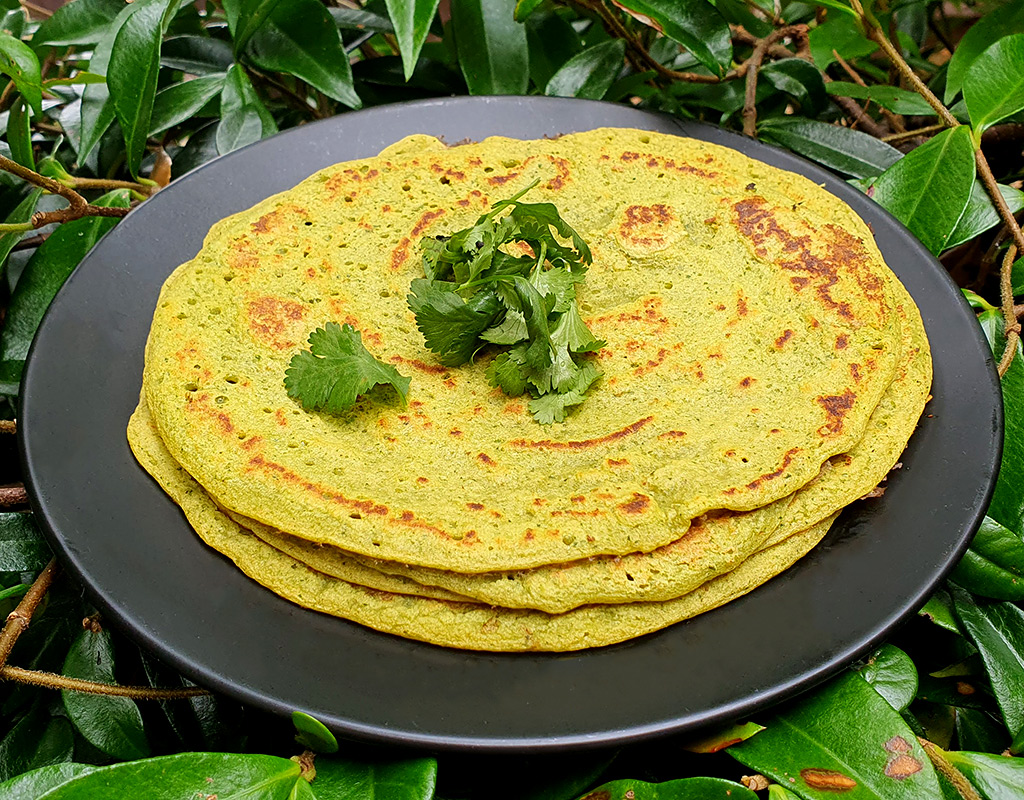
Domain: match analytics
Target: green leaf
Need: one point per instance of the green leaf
(36, 740)
(899, 101)
(313, 734)
(994, 565)
(842, 739)
(552, 41)
(589, 74)
(939, 609)
(80, 22)
(978, 730)
(553, 407)
(996, 777)
(695, 24)
(132, 74)
(19, 134)
(342, 779)
(800, 80)
(411, 19)
(491, 45)
(994, 85)
(336, 370)
(839, 32)
(563, 777)
(77, 79)
(981, 214)
(112, 724)
(571, 331)
(997, 630)
(506, 374)
(228, 776)
(892, 674)
(180, 102)
(358, 19)
(300, 38)
(723, 737)
(844, 150)
(245, 18)
(18, 61)
(44, 274)
(200, 55)
(34, 784)
(451, 325)
(243, 117)
(22, 213)
(779, 792)
(683, 789)
(22, 547)
(992, 25)
(928, 189)
(1007, 505)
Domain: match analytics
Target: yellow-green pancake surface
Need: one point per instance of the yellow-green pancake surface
(751, 331)
(452, 624)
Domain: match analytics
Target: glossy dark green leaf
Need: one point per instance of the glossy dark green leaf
(997, 630)
(34, 784)
(996, 777)
(45, 273)
(848, 151)
(552, 41)
(341, 779)
(695, 24)
(492, 46)
(564, 776)
(1007, 504)
(111, 724)
(80, 22)
(994, 565)
(22, 547)
(132, 75)
(683, 789)
(939, 610)
(981, 214)
(955, 692)
(243, 117)
(993, 24)
(892, 674)
(19, 134)
(22, 213)
(300, 38)
(800, 80)
(199, 55)
(246, 17)
(839, 32)
(226, 776)
(994, 84)
(180, 102)
(18, 61)
(589, 74)
(899, 101)
(359, 19)
(411, 20)
(36, 740)
(779, 792)
(977, 730)
(928, 189)
(844, 738)
(723, 737)
(312, 734)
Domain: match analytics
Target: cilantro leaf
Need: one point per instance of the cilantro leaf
(450, 325)
(559, 284)
(572, 332)
(512, 329)
(505, 373)
(336, 370)
(550, 408)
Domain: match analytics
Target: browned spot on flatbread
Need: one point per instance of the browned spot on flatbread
(828, 780)
(583, 444)
(855, 372)
(747, 382)
(652, 363)
(272, 321)
(282, 420)
(340, 182)
(672, 435)
(486, 459)
(842, 341)
(787, 459)
(276, 219)
(785, 337)
(415, 363)
(645, 226)
(401, 252)
(617, 462)
(637, 504)
(258, 462)
(657, 162)
(836, 408)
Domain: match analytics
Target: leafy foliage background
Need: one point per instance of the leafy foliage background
(104, 103)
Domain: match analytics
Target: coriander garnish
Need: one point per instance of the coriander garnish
(476, 294)
(336, 370)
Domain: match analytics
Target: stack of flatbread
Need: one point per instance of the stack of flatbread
(763, 369)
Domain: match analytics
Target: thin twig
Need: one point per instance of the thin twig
(106, 185)
(904, 135)
(12, 496)
(894, 121)
(938, 758)
(754, 64)
(18, 620)
(852, 109)
(1010, 324)
(50, 680)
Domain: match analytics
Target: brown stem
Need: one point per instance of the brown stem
(106, 185)
(904, 135)
(13, 496)
(893, 119)
(852, 109)
(50, 680)
(989, 180)
(938, 758)
(1010, 323)
(8, 426)
(754, 64)
(18, 620)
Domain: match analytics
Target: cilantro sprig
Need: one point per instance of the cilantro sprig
(476, 294)
(336, 370)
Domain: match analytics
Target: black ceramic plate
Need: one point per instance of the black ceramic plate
(131, 546)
